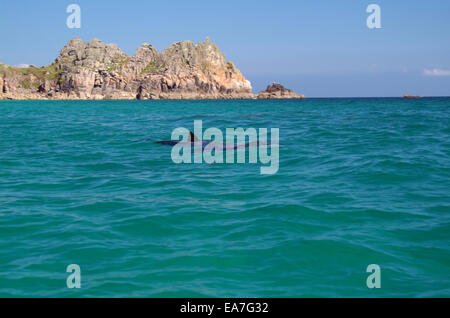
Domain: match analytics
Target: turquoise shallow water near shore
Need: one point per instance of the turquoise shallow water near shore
(361, 181)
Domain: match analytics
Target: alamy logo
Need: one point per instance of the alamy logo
(209, 146)
(74, 20)
(374, 279)
(74, 279)
(374, 19)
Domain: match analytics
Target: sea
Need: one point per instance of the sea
(359, 207)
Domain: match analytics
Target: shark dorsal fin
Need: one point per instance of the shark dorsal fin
(192, 137)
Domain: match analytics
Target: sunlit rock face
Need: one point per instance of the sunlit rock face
(96, 70)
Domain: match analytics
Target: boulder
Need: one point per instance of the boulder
(278, 91)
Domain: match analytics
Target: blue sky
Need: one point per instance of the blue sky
(321, 48)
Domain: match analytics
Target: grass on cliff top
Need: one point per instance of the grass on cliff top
(49, 72)
(5, 69)
(26, 81)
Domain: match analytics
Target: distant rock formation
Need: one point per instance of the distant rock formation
(278, 91)
(96, 70)
(411, 96)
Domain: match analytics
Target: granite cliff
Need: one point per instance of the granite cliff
(96, 70)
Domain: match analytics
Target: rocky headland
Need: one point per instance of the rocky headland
(96, 70)
(278, 91)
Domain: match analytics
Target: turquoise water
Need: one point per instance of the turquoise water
(361, 181)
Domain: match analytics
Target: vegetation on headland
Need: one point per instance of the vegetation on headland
(31, 76)
(118, 63)
(206, 66)
(49, 72)
(152, 68)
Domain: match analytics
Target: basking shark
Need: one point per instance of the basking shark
(206, 148)
(225, 146)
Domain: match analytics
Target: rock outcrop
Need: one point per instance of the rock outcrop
(96, 70)
(278, 91)
(411, 96)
